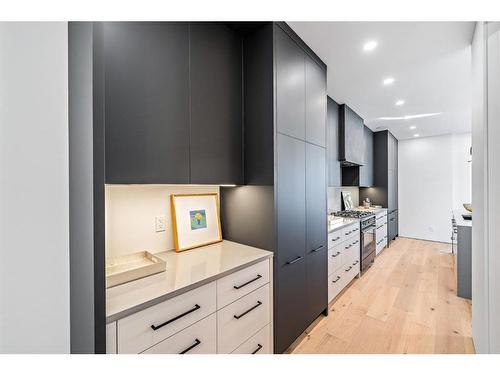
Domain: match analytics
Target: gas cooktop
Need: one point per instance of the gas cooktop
(353, 214)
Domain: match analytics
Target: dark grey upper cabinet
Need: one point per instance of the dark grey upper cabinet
(315, 103)
(147, 102)
(216, 104)
(334, 171)
(291, 199)
(366, 170)
(290, 86)
(316, 234)
(351, 130)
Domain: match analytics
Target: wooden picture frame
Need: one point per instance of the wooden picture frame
(195, 220)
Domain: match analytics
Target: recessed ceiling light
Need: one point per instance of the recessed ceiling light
(370, 46)
(400, 102)
(416, 135)
(413, 127)
(388, 81)
(409, 117)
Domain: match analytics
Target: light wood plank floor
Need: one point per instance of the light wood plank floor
(405, 303)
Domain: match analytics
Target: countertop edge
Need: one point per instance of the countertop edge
(340, 226)
(132, 310)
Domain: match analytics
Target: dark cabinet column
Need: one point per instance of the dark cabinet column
(315, 103)
(291, 263)
(334, 171)
(316, 235)
(366, 170)
(216, 109)
(147, 102)
(290, 86)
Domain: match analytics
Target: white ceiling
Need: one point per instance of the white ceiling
(430, 62)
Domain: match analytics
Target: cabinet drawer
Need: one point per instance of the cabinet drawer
(240, 320)
(335, 238)
(335, 258)
(350, 250)
(351, 230)
(260, 343)
(111, 338)
(335, 282)
(349, 272)
(380, 232)
(199, 338)
(240, 283)
(136, 332)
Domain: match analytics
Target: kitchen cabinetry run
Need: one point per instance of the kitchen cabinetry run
(334, 168)
(385, 189)
(343, 258)
(286, 119)
(207, 320)
(173, 103)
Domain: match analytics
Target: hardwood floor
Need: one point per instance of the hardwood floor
(405, 303)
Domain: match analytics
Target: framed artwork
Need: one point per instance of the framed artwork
(195, 220)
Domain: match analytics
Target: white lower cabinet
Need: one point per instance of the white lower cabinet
(227, 315)
(343, 259)
(111, 338)
(241, 319)
(260, 343)
(380, 232)
(200, 338)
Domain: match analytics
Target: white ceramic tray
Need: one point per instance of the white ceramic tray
(130, 267)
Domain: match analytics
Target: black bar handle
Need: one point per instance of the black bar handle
(250, 309)
(258, 348)
(196, 307)
(337, 279)
(317, 249)
(355, 242)
(248, 282)
(347, 270)
(356, 262)
(196, 343)
(294, 261)
(347, 247)
(336, 254)
(335, 239)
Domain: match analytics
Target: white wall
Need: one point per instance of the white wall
(434, 178)
(34, 237)
(131, 212)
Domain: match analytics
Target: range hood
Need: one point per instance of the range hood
(351, 137)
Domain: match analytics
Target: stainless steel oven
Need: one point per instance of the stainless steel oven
(367, 242)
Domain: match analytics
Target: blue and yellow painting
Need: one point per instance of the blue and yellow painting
(198, 219)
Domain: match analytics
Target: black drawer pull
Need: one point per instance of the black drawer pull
(248, 282)
(294, 261)
(380, 226)
(196, 307)
(317, 249)
(347, 270)
(347, 247)
(348, 233)
(335, 239)
(356, 262)
(196, 343)
(355, 230)
(246, 312)
(355, 242)
(258, 348)
(337, 279)
(336, 254)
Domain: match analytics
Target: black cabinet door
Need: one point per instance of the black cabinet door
(290, 86)
(315, 103)
(316, 235)
(334, 171)
(291, 199)
(366, 170)
(291, 259)
(146, 102)
(391, 190)
(216, 109)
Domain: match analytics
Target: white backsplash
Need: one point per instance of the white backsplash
(131, 212)
(335, 197)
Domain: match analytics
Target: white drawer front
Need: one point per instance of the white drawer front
(334, 258)
(351, 230)
(199, 338)
(111, 338)
(335, 281)
(349, 271)
(350, 249)
(335, 238)
(380, 232)
(135, 332)
(260, 343)
(240, 320)
(240, 283)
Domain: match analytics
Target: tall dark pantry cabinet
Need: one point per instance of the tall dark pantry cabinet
(282, 206)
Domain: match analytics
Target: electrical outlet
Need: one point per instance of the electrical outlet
(160, 224)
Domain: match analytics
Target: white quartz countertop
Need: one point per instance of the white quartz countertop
(461, 222)
(340, 222)
(185, 271)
